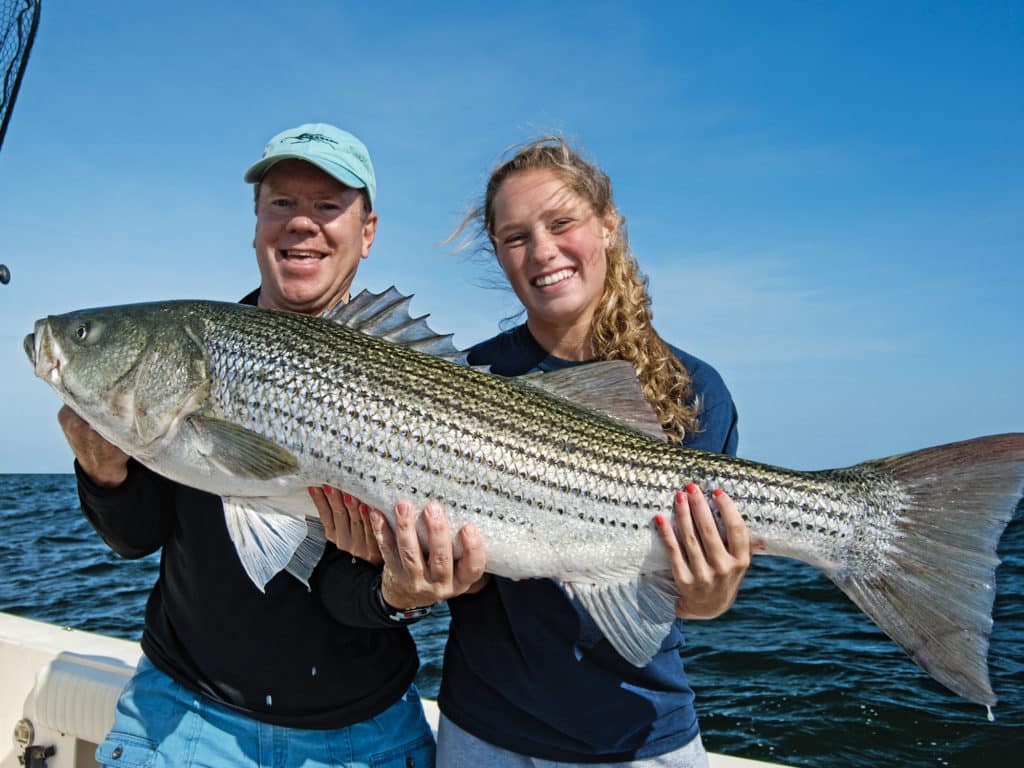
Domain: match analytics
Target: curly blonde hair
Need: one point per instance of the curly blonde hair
(622, 326)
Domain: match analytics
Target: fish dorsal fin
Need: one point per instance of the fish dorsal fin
(269, 541)
(609, 387)
(241, 452)
(386, 316)
(634, 615)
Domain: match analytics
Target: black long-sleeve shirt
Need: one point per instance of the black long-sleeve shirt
(323, 657)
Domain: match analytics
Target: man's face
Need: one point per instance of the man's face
(310, 236)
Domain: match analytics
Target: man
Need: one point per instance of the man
(296, 676)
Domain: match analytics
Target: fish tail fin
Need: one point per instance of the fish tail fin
(935, 594)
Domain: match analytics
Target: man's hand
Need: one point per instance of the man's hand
(103, 462)
(411, 581)
(346, 523)
(707, 569)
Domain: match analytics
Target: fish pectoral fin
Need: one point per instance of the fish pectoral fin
(608, 387)
(241, 451)
(635, 615)
(268, 541)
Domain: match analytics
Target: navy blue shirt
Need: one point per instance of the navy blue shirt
(526, 668)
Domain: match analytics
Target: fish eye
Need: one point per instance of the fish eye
(82, 331)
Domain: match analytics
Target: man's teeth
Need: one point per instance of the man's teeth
(554, 277)
(302, 255)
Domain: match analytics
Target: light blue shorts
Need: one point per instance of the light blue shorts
(160, 723)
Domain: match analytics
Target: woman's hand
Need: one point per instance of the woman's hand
(707, 568)
(411, 580)
(346, 523)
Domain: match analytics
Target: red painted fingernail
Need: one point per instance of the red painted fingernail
(718, 492)
(691, 488)
(680, 497)
(659, 519)
(348, 499)
(327, 489)
(363, 509)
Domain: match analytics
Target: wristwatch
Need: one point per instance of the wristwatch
(399, 615)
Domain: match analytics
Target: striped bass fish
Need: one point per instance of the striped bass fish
(562, 472)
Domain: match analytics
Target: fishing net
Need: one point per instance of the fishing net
(18, 22)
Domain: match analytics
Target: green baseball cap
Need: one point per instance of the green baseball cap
(335, 152)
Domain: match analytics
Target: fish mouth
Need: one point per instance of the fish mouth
(44, 352)
(30, 348)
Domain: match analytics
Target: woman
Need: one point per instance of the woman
(527, 674)
(528, 678)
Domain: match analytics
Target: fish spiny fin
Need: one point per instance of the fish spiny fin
(635, 616)
(935, 593)
(240, 451)
(386, 316)
(268, 541)
(608, 387)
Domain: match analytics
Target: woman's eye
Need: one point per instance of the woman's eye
(560, 224)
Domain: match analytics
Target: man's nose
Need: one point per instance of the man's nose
(302, 222)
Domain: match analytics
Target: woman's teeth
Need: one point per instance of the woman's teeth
(554, 277)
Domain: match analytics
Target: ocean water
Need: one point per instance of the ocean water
(794, 673)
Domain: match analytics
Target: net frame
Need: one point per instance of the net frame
(19, 21)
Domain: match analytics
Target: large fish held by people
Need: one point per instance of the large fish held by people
(561, 472)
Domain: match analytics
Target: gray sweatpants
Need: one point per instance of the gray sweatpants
(458, 749)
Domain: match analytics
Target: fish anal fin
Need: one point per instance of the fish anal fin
(608, 387)
(634, 615)
(242, 452)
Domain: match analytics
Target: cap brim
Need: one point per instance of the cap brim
(339, 172)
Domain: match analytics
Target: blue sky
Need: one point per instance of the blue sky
(828, 198)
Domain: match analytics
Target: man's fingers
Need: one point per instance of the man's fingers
(439, 544)
(407, 540)
(384, 536)
(469, 569)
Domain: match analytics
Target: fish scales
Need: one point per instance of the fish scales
(417, 426)
(256, 406)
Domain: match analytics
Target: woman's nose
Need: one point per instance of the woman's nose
(544, 247)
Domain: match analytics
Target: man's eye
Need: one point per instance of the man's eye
(280, 202)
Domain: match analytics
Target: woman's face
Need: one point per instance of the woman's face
(551, 245)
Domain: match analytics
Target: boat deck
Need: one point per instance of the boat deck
(65, 682)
